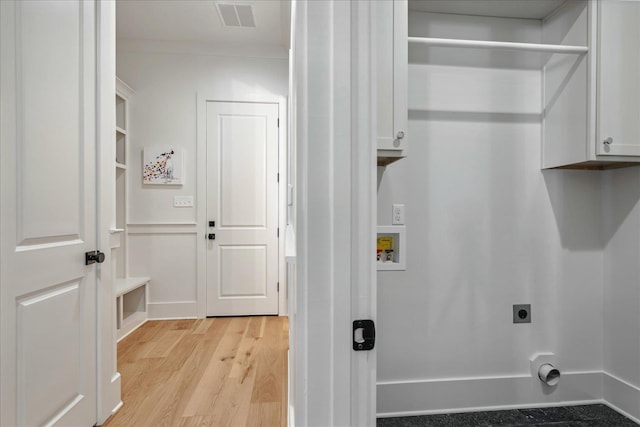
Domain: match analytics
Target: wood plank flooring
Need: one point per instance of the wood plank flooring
(227, 371)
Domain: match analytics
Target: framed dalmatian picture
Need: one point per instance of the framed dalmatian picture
(163, 165)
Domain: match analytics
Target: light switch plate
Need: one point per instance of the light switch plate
(182, 201)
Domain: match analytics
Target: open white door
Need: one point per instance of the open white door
(48, 213)
(242, 208)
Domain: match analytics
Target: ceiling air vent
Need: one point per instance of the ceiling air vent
(236, 15)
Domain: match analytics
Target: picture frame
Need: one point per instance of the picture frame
(163, 165)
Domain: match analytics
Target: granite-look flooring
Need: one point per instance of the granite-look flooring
(578, 416)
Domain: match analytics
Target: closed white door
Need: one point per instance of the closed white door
(242, 208)
(48, 308)
(618, 81)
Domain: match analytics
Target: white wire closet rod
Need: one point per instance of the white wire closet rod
(482, 44)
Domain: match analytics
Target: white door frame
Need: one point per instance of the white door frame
(336, 211)
(201, 192)
(109, 382)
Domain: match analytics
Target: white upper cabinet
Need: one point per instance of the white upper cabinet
(391, 72)
(587, 53)
(618, 78)
(592, 102)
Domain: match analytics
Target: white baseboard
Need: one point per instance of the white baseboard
(112, 400)
(403, 398)
(622, 396)
(173, 310)
(117, 408)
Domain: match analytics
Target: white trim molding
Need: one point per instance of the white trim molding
(173, 310)
(108, 379)
(426, 397)
(622, 396)
(335, 211)
(263, 51)
(162, 228)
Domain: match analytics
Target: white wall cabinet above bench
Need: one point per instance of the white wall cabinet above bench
(592, 103)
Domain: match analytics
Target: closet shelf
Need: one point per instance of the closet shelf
(484, 44)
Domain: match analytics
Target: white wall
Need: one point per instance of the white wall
(167, 79)
(486, 228)
(622, 290)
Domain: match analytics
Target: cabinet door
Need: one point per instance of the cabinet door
(618, 78)
(392, 62)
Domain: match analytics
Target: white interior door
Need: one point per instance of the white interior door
(48, 309)
(618, 82)
(242, 200)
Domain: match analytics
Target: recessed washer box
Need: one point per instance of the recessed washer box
(399, 256)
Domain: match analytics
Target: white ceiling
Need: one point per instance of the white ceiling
(527, 9)
(199, 21)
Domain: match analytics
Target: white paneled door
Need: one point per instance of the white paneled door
(242, 208)
(48, 308)
(618, 82)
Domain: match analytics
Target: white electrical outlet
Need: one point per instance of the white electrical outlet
(398, 215)
(182, 201)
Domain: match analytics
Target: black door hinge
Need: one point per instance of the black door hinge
(364, 335)
(278, 232)
(278, 122)
(278, 177)
(278, 286)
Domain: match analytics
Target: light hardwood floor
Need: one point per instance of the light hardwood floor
(228, 371)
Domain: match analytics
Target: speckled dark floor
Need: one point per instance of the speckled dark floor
(578, 416)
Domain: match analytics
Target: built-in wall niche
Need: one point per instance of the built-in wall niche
(131, 304)
(121, 194)
(121, 113)
(131, 292)
(391, 247)
(121, 148)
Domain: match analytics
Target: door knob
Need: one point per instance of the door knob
(212, 223)
(211, 236)
(608, 141)
(94, 256)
